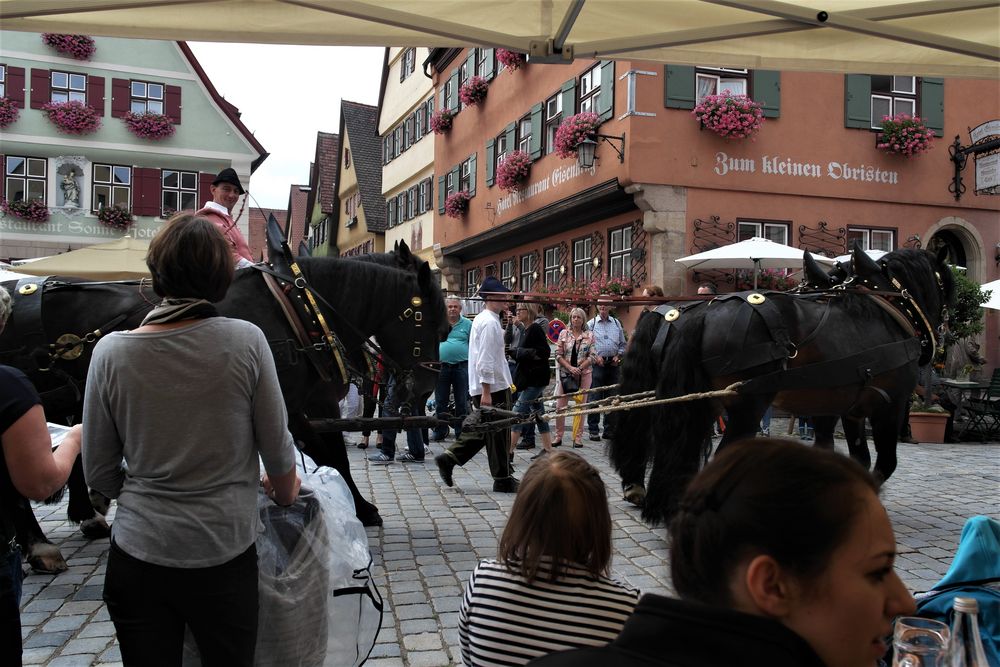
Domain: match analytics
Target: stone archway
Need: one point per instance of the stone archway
(963, 243)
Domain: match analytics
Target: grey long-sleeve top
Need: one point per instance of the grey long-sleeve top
(189, 410)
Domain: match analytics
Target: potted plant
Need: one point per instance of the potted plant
(473, 91)
(152, 126)
(512, 60)
(32, 210)
(927, 419)
(513, 171)
(965, 374)
(117, 217)
(79, 47)
(441, 121)
(729, 116)
(904, 135)
(72, 117)
(8, 111)
(456, 204)
(574, 130)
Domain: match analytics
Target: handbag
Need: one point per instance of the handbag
(570, 384)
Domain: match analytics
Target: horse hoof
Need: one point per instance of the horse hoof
(99, 502)
(96, 528)
(635, 494)
(46, 559)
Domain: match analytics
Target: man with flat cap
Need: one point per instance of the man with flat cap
(226, 191)
(489, 385)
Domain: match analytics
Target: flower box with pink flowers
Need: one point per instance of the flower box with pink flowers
(152, 126)
(474, 91)
(456, 204)
(512, 60)
(78, 47)
(904, 135)
(32, 210)
(730, 116)
(572, 131)
(116, 217)
(513, 171)
(441, 121)
(8, 111)
(73, 117)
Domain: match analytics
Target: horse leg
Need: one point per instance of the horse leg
(885, 433)
(81, 508)
(41, 554)
(743, 422)
(857, 442)
(330, 450)
(823, 430)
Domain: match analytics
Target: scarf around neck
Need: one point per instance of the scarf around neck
(174, 310)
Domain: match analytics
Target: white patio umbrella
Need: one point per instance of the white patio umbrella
(122, 259)
(874, 254)
(755, 253)
(994, 300)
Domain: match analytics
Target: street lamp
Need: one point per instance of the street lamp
(586, 149)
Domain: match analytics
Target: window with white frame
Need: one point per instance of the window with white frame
(524, 135)
(423, 197)
(178, 191)
(590, 89)
(450, 94)
(465, 175)
(872, 239)
(620, 252)
(718, 80)
(112, 186)
(773, 231)
(507, 273)
(3, 80)
(449, 183)
(147, 97)
(418, 123)
(483, 61)
(583, 264)
(553, 116)
(401, 207)
(407, 64)
(411, 203)
(501, 149)
(68, 87)
(893, 95)
(527, 272)
(390, 212)
(471, 281)
(24, 178)
(551, 266)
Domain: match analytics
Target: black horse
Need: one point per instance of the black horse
(850, 353)
(403, 309)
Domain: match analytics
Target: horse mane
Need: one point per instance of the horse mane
(919, 271)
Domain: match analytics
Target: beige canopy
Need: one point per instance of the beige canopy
(923, 37)
(124, 259)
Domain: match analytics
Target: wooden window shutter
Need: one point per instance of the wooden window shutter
(535, 145)
(932, 104)
(456, 175)
(41, 93)
(95, 93)
(443, 104)
(568, 93)
(511, 133)
(766, 86)
(472, 174)
(489, 70)
(858, 101)
(606, 98)
(678, 87)
(121, 97)
(146, 192)
(172, 103)
(430, 193)
(441, 195)
(15, 86)
(205, 188)
(402, 66)
(491, 158)
(453, 102)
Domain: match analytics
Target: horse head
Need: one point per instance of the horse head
(815, 276)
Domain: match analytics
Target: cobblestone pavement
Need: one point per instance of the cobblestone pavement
(434, 535)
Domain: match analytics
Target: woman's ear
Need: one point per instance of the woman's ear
(769, 587)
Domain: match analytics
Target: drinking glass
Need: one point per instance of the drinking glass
(920, 642)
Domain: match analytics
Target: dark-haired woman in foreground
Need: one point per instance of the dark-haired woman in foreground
(189, 401)
(548, 590)
(782, 556)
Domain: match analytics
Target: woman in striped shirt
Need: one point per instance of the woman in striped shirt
(548, 590)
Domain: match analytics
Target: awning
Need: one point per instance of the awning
(924, 37)
(124, 259)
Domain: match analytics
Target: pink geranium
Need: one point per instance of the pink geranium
(574, 130)
(441, 121)
(8, 111)
(513, 170)
(153, 126)
(117, 217)
(456, 204)
(473, 91)
(73, 117)
(730, 116)
(904, 135)
(32, 210)
(512, 60)
(79, 47)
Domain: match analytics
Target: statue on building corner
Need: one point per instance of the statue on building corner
(71, 191)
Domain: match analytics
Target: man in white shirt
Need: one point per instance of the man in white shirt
(489, 385)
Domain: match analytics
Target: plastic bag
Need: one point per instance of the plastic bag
(350, 405)
(318, 603)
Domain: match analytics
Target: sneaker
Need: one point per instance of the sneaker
(596, 437)
(445, 466)
(380, 458)
(508, 485)
(407, 457)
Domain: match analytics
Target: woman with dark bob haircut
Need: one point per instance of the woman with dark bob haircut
(782, 555)
(190, 402)
(548, 590)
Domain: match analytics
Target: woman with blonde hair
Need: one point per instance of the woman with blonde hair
(575, 356)
(548, 589)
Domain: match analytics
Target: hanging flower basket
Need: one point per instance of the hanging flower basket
(152, 126)
(441, 121)
(456, 204)
(573, 130)
(904, 135)
(512, 60)
(730, 116)
(8, 111)
(116, 217)
(513, 171)
(73, 117)
(32, 210)
(473, 91)
(79, 47)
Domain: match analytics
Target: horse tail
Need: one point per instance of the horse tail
(629, 450)
(680, 430)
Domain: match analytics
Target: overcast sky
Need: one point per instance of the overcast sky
(286, 94)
